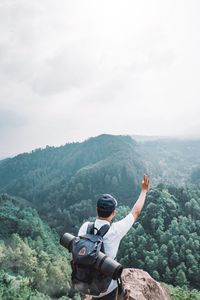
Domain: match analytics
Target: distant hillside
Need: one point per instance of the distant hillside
(170, 160)
(60, 177)
(58, 180)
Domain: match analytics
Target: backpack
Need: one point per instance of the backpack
(85, 250)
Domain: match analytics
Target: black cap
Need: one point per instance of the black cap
(106, 203)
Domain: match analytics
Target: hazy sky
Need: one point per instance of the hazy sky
(74, 69)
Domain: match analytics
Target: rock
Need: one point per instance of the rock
(142, 286)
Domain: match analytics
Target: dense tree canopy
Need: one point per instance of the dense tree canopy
(31, 260)
(166, 240)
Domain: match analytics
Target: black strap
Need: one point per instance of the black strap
(90, 228)
(120, 287)
(102, 231)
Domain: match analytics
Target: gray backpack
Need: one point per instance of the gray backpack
(85, 250)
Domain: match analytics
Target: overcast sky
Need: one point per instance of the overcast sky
(74, 69)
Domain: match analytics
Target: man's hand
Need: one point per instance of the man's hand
(145, 184)
(137, 208)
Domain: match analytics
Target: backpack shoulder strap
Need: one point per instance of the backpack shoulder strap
(90, 228)
(120, 285)
(103, 230)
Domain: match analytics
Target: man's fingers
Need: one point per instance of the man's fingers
(145, 180)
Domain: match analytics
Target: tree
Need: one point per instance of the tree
(181, 279)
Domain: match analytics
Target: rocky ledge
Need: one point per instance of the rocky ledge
(142, 286)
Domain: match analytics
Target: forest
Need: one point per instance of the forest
(53, 190)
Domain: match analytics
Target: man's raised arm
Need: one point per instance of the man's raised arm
(137, 208)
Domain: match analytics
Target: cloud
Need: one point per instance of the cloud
(71, 70)
(11, 119)
(62, 72)
(17, 40)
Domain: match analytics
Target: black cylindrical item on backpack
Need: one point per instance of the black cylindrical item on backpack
(66, 241)
(104, 264)
(108, 266)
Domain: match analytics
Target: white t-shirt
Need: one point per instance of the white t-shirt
(111, 240)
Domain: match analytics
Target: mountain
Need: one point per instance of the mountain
(105, 164)
(56, 178)
(170, 160)
(60, 180)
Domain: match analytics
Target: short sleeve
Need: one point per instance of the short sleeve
(123, 226)
(83, 229)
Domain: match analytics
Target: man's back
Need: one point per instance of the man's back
(114, 235)
(112, 239)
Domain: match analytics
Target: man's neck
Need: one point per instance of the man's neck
(104, 219)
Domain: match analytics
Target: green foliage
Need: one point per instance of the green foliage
(32, 261)
(166, 240)
(178, 293)
(18, 287)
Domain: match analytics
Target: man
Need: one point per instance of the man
(106, 212)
